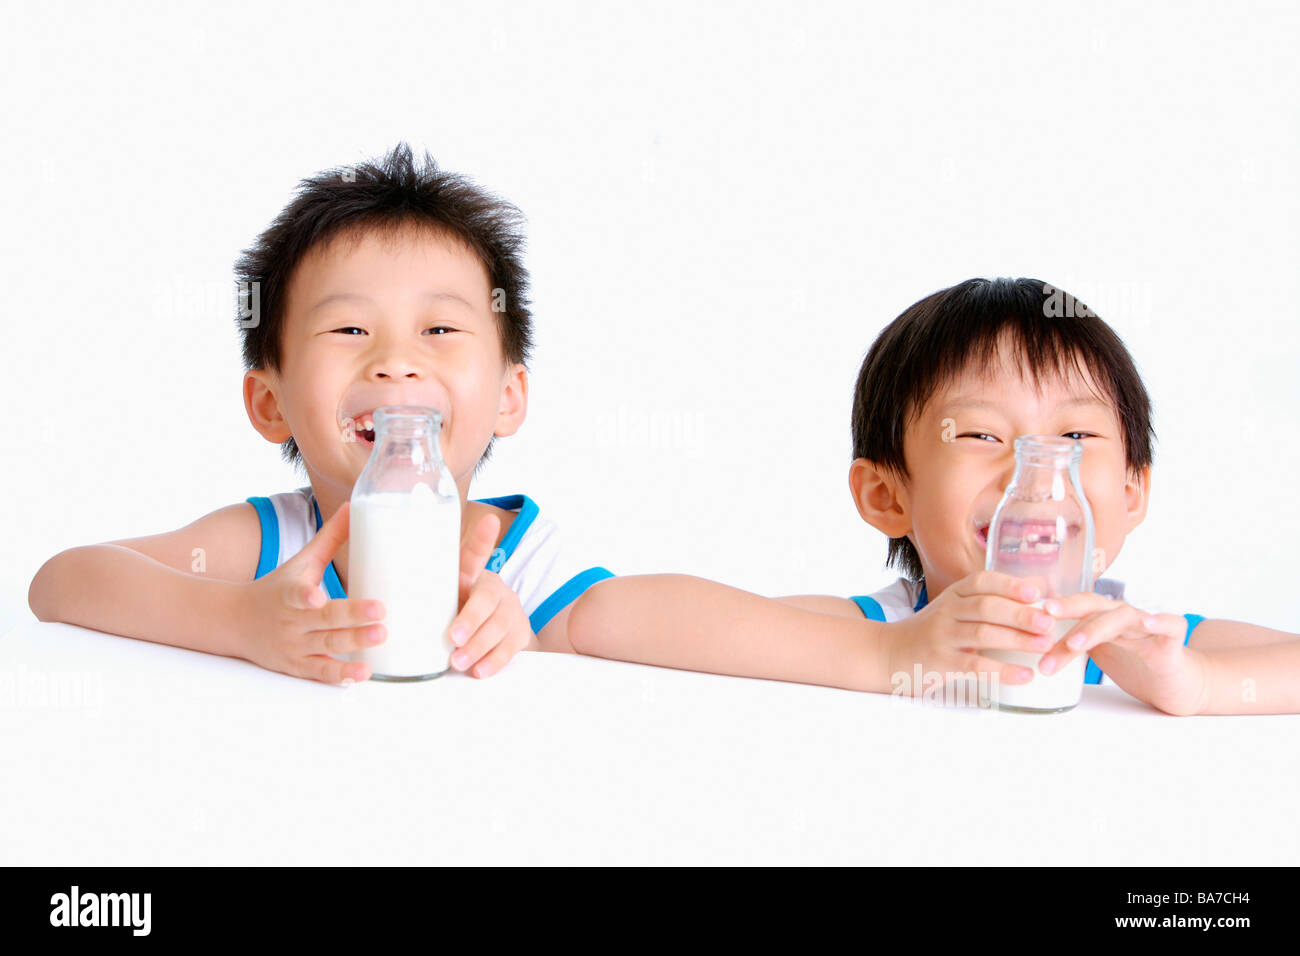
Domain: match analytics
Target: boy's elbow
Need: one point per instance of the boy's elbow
(39, 592)
(43, 592)
(587, 616)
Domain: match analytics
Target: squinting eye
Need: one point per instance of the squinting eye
(978, 435)
(351, 328)
(440, 330)
(1078, 435)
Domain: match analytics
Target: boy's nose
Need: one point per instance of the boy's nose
(394, 366)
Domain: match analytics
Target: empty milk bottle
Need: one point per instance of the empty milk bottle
(1042, 532)
(404, 544)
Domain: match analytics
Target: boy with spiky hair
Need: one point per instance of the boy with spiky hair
(941, 397)
(388, 283)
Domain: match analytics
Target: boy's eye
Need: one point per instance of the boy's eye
(981, 435)
(1078, 435)
(353, 330)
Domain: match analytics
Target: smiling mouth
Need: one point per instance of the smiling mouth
(1032, 541)
(360, 430)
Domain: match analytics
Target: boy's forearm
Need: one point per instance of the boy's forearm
(678, 621)
(1219, 635)
(115, 589)
(1264, 679)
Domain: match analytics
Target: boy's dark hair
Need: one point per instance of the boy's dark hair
(386, 197)
(937, 338)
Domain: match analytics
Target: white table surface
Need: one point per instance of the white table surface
(123, 752)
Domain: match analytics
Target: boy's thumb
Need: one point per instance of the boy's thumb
(320, 549)
(476, 551)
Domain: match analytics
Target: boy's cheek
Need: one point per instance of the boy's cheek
(1108, 535)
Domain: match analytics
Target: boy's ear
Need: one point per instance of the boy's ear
(514, 401)
(878, 494)
(263, 407)
(1137, 495)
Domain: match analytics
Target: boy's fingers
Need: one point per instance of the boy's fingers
(1005, 672)
(983, 635)
(478, 608)
(1004, 585)
(1079, 605)
(500, 656)
(487, 636)
(346, 612)
(319, 551)
(305, 596)
(1168, 625)
(476, 551)
(331, 671)
(344, 640)
(1088, 633)
(1006, 613)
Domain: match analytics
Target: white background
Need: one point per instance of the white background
(726, 203)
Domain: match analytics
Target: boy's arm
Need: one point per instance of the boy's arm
(1253, 679)
(1226, 635)
(823, 604)
(180, 588)
(1249, 669)
(673, 620)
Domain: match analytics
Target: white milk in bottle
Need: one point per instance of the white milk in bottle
(404, 545)
(1046, 692)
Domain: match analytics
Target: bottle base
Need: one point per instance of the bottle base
(1016, 709)
(408, 679)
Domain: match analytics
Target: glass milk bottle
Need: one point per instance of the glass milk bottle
(1042, 531)
(404, 544)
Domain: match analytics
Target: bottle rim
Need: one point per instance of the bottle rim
(411, 415)
(1048, 446)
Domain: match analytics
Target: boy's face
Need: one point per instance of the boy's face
(960, 456)
(405, 321)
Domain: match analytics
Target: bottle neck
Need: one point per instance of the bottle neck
(1046, 466)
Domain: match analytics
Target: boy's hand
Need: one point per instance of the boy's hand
(983, 611)
(291, 626)
(491, 626)
(1142, 653)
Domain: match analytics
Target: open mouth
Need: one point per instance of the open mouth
(1034, 541)
(360, 429)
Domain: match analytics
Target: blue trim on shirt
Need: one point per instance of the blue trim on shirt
(333, 587)
(527, 509)
(270, 554)
(874, 612)
(564, 595)
(869, 607)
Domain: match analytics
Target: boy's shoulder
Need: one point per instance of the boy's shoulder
(901, 599)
